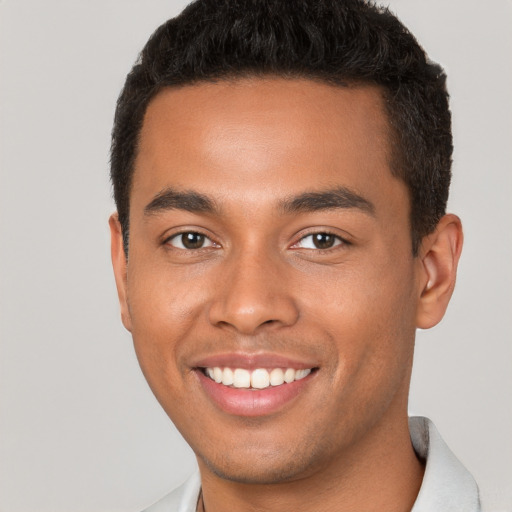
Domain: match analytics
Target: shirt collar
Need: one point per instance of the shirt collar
(447, 485)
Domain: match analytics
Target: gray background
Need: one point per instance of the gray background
(79, 428)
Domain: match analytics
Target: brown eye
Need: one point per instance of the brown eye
(319, 241)
(190, 240)
(323, 240)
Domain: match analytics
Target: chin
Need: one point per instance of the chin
(256, 475)
(262, 468)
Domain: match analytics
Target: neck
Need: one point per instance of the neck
(381, 473)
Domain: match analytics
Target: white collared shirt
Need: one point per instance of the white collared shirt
(447, 485)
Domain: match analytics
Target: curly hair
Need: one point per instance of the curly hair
(339, 42)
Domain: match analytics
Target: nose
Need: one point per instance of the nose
(253, 293)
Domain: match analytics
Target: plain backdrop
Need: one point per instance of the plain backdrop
(79, 429)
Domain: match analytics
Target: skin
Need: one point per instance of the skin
(259, 285)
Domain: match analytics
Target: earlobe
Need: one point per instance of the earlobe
(119, 263)
(438, 260)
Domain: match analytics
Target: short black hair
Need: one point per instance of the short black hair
(339, 42)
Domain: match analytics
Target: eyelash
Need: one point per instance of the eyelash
(181, 234)
(338, 241)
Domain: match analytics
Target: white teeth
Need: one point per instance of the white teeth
(257, 379)
(260, 379)
(300, 374)
(217, 375)
(289, 375)
(227, 377)
(276, 377)
(241, 378)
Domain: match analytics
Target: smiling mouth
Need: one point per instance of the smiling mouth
(260, 378)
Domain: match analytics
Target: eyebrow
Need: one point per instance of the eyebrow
(337, 198)
(195, 202)
(170, 199)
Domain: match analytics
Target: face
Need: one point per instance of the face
(270, 287)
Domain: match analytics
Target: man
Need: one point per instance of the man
(281, 172)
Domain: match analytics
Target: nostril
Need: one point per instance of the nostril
(247, 311)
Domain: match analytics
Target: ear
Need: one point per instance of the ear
(119, 262)
(438, 259)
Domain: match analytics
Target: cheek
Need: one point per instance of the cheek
(161, 298)
(356, 292)
(163, 310)
(369, 313)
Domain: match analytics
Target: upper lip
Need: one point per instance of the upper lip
(251, 361)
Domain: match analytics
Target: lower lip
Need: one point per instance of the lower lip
(252, 402)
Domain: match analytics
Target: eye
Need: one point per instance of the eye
(190, 240)
(319, 241)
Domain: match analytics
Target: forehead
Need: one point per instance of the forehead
(264, 137)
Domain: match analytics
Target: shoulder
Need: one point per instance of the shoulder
(182, 499)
